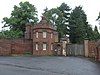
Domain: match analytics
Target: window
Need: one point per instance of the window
(44, 46)
(36, 47)
(51, 35)
(36, 34)
(51, 46)
(44, 34)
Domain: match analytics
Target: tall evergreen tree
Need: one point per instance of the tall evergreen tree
(89, 32)
(78, 25)
(55, 17)
(96, 30)
(45, 10)
(65, 9)
(59, 17)
(96, 33)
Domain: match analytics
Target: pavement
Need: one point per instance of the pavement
(48, 65)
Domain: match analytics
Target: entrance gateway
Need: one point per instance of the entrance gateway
(75, 50)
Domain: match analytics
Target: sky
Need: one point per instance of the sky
(91, 7)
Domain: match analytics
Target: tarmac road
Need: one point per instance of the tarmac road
(46, 65)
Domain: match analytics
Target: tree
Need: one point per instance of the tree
(11, 34)
(21, 15)
(96, 33)
(90, 33)
(78, 25)
(55, 17)
(98, 16)
(59, 17)
(65, 9)
(45, 10)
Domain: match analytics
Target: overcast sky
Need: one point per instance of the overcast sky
(91, 7)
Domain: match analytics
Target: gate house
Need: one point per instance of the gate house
(43, 35)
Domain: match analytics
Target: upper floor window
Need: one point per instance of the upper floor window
(44, 34)
(36, 34)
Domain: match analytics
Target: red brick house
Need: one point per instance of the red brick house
(44, 36)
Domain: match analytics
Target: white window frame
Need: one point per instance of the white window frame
(44, 34)
(36, 46)
(44, 46)
(36, 34)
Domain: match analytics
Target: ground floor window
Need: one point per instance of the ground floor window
(44, 46)
(36, 47)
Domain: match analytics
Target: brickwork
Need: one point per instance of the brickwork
(28, 33)
(5, 49)
(99, 55)
(15, 46)
(94, 50)
(49, 40)
(98, 51)
(21, 46)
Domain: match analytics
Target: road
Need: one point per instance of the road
(46, 65)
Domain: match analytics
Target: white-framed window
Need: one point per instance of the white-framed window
(36, 46)
(44, 34)
(36, 34)
(51, 46)
(44, 46)
(51, 35)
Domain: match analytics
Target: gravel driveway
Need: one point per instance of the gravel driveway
(46, 65)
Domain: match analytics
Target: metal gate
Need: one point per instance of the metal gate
(75, 50)
(57, 49)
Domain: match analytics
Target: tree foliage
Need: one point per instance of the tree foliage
(59, 17)
(54, 16)
(73, 24)
(96, 33)
(98, 16)
(21, 15)
(11, 34)
(78, 25)
(65, 9)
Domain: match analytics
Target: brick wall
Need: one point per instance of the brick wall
(21, 46)
(15, 46)
(5, 48)
(42, 52)
(99, 55)
(98, 52)
(92, 49)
